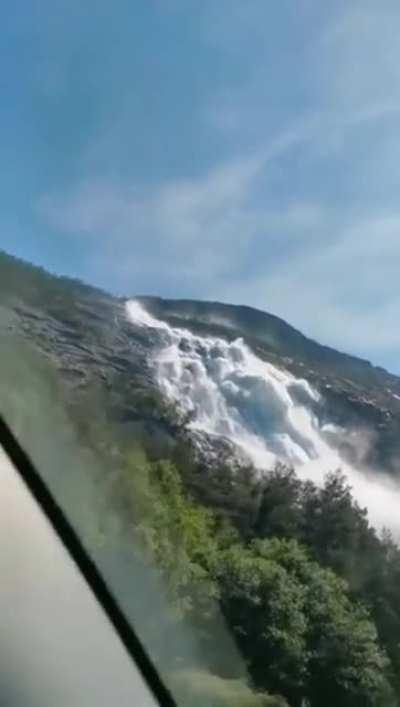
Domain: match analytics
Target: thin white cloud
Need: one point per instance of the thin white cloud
(201, 228)
(308, 225)
(198, 233)
(344, 293)
(358, 58)
(347, 72)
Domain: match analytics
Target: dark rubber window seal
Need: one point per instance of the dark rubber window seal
(85, 564)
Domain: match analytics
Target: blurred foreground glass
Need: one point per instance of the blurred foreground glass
(99, 476)
(57, 646)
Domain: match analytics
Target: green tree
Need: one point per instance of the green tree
(199, 689)
(336, 528)
(297, 627)
(279, 513)
(177, 535)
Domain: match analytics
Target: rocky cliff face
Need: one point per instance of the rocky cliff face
(356, 395)
(91, 342)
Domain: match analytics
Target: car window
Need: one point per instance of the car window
(57, 646)
(199, 350)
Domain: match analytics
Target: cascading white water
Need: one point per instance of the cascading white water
(227, 391)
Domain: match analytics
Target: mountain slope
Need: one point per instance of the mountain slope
(157, 425)
(88, 336)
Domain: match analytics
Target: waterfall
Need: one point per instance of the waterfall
(225, 390)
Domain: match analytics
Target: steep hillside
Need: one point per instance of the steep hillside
(161, 427)
(356, 393)
(88, 336)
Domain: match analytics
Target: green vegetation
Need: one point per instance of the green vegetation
(295, 595)
(308, 589)
(298, 628)
(200, 689)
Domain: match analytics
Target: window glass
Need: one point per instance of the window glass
(199, 349)
(128, 507)
(57, 647)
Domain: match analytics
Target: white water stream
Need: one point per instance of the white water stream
(227, 391)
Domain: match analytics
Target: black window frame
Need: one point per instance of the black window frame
(88, 569)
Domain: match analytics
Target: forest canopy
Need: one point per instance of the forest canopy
(308, 589)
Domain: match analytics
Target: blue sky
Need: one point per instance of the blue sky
(218, 149)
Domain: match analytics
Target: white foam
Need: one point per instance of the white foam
(141, 317)
(226, 390)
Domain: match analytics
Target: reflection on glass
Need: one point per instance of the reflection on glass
(75, 390)
(57, 647)
(232, 479)
(249, 586)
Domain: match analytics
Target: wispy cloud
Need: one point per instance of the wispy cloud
(358, 58)
(300, 216)
(193, 231)
(344, 293)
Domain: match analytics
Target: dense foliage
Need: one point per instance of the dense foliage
(330, 523)
(306, 586)
(298, 595)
